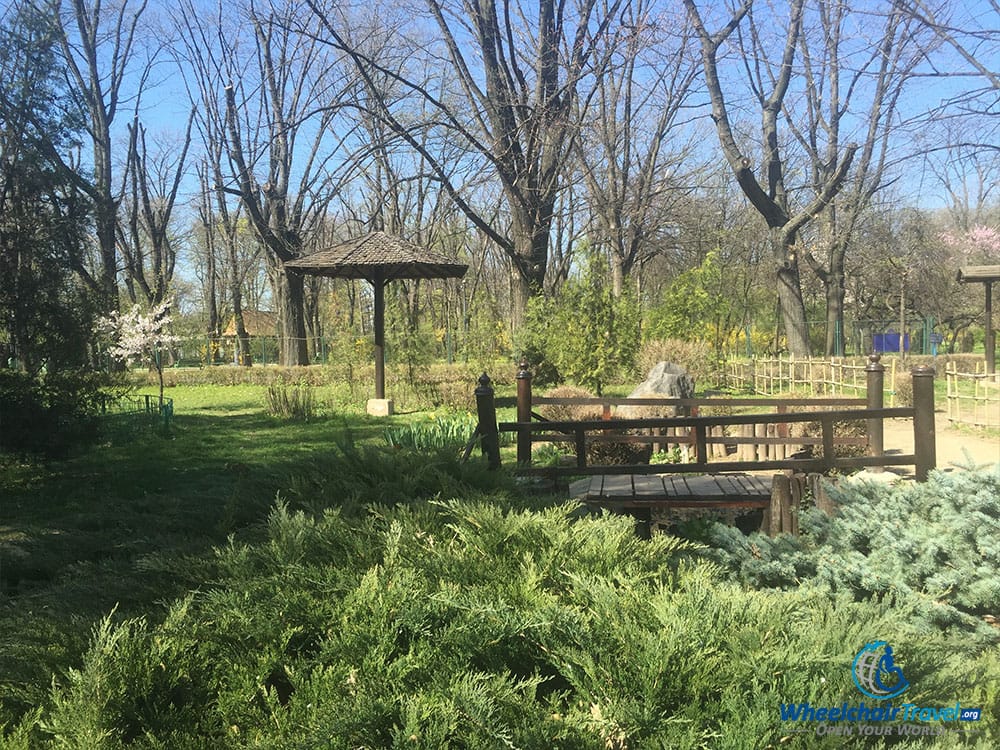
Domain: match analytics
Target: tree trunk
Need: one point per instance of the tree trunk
(617, 274)
(790, 303)
(531, 255)
(834, 284)
(243, 356)
(290, 288)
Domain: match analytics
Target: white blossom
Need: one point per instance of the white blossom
(139, 335)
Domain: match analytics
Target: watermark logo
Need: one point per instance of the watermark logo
(876, 674)
(878, 677)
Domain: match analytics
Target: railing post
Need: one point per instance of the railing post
(487, 411)
(523, 413)
(875, 372)
(828, 443)
(924, 441)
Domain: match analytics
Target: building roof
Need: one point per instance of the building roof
(257, 323)
(981, 274)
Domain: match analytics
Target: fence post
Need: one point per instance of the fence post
(523, 413)
(487, 410)
(924, 441)
(875, 372)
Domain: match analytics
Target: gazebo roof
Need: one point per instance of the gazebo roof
(378, 256)
(982, 274)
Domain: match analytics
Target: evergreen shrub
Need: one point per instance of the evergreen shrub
(50, 414)
(934, 545)
(479, 623)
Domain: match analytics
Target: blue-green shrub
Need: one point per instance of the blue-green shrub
(935, 544)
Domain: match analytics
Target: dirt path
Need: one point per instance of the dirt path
(952, 443)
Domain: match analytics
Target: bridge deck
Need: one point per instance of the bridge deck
(622, 491)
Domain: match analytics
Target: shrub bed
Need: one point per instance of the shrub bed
(475, 624)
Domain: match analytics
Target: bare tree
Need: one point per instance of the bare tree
(625, 154)
(971, 36)
(518, 78)
(100, 47)
(147, 246)
(853, 87)
(271, 91)
(767, 79)
(969, 177)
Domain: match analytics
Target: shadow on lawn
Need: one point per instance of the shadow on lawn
(129, 524)
(139, 492)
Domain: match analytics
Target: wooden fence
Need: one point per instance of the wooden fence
(973, 398)
(749, 442)
(837, 376)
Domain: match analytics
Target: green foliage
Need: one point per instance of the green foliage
(463, 624)
(583, 334)
(934, 545)
(51, 414)
(291, 401)
(45, 314)
(433, 433)
(700, 304)
(396, 598)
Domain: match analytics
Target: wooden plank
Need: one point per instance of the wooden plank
(649, 486)
(757, 485)
(692, 402)
(793, 464)
(581, 489)
(618, 487)
(733, 485)
(742, 502)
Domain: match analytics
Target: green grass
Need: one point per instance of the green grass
(87, 535)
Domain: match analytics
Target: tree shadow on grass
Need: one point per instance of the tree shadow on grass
(129, 524)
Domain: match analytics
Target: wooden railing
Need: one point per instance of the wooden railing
(703, 434)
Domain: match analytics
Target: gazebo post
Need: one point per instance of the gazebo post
(379, 406)
(991, 341)
(985, 275)
(378, 285)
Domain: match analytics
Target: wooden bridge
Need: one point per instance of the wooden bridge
(736, 461)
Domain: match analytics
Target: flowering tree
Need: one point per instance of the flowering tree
(978, 244)
(141, 336)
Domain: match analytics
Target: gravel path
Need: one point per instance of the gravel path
(951, 443)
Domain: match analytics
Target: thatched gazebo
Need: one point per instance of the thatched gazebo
(378, 258)
(985, 275)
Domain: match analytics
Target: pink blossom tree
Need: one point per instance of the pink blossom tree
(978, 244)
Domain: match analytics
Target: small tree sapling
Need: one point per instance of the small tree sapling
(141, 336)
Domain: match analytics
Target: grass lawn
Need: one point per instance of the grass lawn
(104, 528)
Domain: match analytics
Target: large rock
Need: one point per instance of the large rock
(665, 380)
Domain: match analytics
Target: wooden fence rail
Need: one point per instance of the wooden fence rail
(817, 377)
(704, 434)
